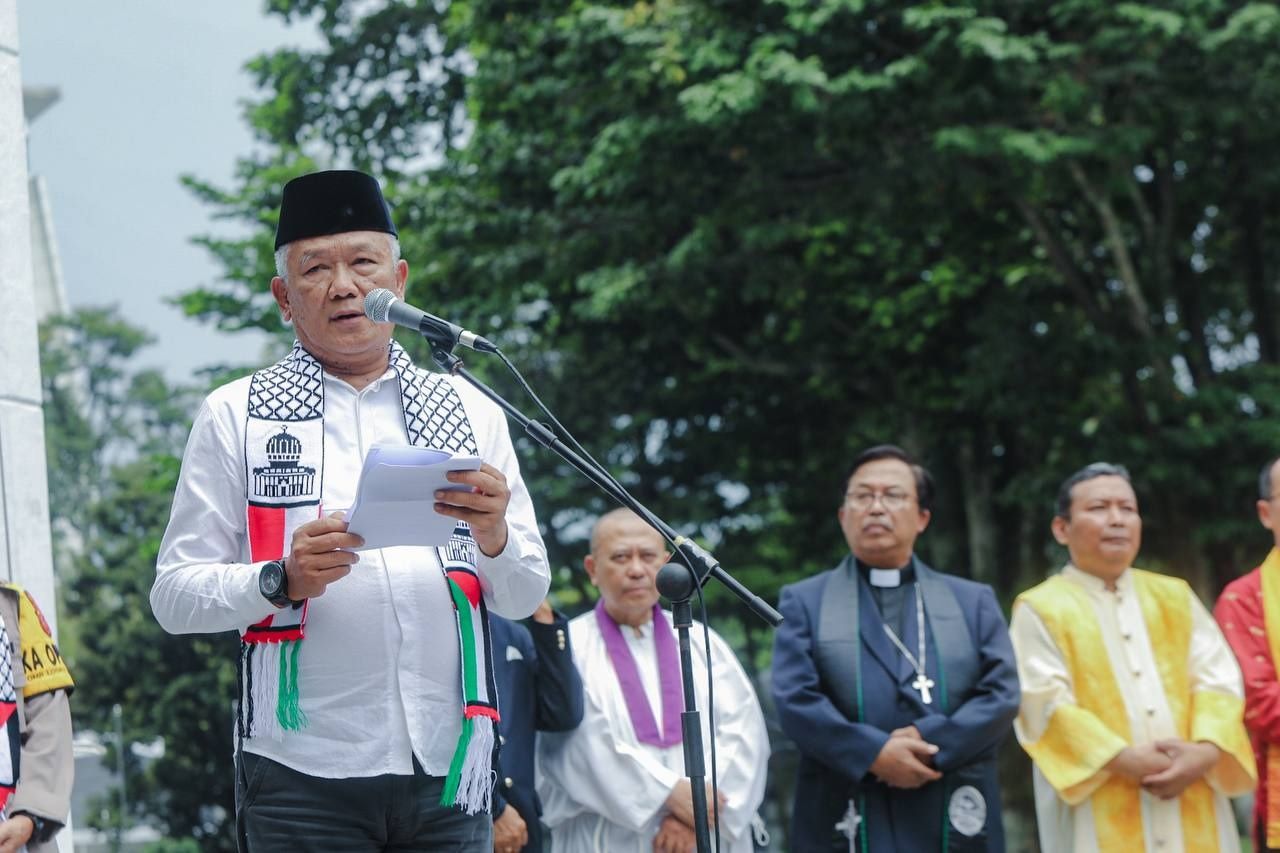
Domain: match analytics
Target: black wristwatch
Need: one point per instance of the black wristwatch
(39, 826)
(273, 583)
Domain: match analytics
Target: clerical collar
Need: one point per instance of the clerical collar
(888, 577)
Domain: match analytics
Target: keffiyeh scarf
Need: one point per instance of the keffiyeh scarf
(284, 471)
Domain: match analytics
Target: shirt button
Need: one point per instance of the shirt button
(1151, 710)
(507, 781)
(1137, 673)
(1128, 635)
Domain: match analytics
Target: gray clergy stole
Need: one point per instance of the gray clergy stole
(839, 652)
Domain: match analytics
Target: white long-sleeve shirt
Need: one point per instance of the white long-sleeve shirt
(602, 790)
(379, 670)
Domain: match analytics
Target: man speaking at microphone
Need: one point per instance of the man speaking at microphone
(366, 707)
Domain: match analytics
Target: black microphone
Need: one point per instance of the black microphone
(382, 306)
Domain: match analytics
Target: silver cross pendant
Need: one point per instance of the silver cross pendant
(848, 826)
(922, 684)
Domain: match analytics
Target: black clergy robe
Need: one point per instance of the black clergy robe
(841, 687)
(539, 690)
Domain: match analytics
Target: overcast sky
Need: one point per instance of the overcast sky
(151, 89)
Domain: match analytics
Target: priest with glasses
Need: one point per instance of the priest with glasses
(897, 682)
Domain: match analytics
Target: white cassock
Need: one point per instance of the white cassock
(1047, 683)
(602, 790)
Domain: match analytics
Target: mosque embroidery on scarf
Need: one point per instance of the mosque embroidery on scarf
(282, 476)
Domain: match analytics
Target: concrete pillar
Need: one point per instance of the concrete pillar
(25, 548)
(26, 554)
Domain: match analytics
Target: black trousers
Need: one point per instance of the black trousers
(280, 809)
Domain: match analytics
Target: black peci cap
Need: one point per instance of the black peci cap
(333, 202)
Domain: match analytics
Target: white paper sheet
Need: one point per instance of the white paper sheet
(395, 498)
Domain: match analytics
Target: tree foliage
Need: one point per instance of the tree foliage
(734, 242)
(114, 438)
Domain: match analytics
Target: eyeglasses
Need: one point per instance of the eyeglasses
(892, 500)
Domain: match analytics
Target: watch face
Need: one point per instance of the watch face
(271, 579)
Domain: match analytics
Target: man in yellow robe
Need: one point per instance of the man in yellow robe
(1132, 703)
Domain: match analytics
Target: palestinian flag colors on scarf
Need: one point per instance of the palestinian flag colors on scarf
(10, 742)
(284, 494)
(470, 776)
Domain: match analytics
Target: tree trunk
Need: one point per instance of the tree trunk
(976, 489)
(1261, 299)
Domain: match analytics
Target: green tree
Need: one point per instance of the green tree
(848, 220)
(114, 437)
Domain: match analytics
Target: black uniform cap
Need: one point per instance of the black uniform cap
(323, 203)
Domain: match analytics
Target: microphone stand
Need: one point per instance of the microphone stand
(676, 581)
(676, 584)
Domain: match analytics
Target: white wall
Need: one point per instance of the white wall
(25, 552)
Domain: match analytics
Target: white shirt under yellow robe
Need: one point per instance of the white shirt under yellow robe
(1062, 657)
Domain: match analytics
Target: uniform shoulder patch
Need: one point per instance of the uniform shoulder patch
(42, 663)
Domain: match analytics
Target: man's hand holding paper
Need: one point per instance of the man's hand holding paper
(319, 554)
(484, 507)
(412, 496)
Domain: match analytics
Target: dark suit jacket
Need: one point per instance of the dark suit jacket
(539, 689)
(837, 751)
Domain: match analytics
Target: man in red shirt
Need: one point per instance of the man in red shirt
(1249, 613)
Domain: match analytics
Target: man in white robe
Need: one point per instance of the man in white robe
(1131, 700)
(617, 783)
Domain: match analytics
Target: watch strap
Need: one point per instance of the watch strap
(280, 598)
(42, 830)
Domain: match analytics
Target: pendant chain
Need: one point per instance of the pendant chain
(922, 682)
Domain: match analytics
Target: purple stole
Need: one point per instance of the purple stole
(624, 666)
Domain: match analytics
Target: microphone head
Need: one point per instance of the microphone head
(377, 305)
